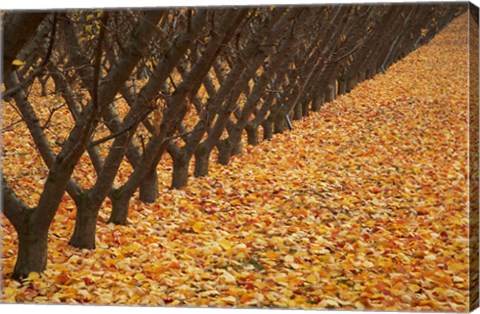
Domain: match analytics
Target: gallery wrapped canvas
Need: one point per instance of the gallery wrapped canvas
(318, 156)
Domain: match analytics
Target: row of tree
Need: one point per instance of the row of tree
(197, 80)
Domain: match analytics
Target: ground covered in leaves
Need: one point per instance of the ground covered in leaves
(362, 206)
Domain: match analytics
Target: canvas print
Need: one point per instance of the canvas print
(275, 156)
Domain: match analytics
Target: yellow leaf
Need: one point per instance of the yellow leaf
(228, 278)
(35, 196)
(368, 264)
(312, 279)
(90, 17)
(33, 275)
(456, 267)
(230, 300)
(88, 28)
(289, 259)
(458, 279)
(198, 227)
(18, 62)
(414, 288)
(430, 257)
(225, 244)
(359, 306)
(8, 291)
(328, 303)
(271, 255)
(140, 276)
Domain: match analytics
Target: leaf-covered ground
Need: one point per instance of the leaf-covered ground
(361, 206)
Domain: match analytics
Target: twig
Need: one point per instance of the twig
(52, 111)
(347, 54)
(8, 127)
(123, 130)
(180, 135)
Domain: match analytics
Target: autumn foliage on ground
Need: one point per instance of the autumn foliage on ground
(363, 205)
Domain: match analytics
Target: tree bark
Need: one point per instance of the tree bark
(342, 86)
(32, 250)
(305, 107)
(252, 134)
(351, 83)
(120, 205)
(85, 224)
(236, 146)
(361, 76)
(223, 152)
(149, 187)
(201, 162)
(267, 126)
(318, 102)
(180, 172)
(298, 112)
(280, 123)
(330, 94)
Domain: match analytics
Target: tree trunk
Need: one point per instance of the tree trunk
(361, 76)
(252, 134)
(149, 187)
(280, 123)
(120, 206)
(223, 152)
(236, 146)
(305, 108)
(351, 83)
(331, 93)
(32, 252)
(369, 74)
(180, 172)
(297, 112)
(85, 224)
(43, 83)
(318, 102)
(267, 129)
(342, 86)
(201, 162)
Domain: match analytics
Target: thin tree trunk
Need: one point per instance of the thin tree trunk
(361, 76)
(223, 152)
(330, 94)
(318, 102)
(236, 146)
(252, 134)
(32, 250)
(120, 205)
(85, 224)
(280, 123)
(149, 186)
(351, 83)
(305, 107)
(342, 86)
(201, 162)
(180, 172)
(267, 129)
(297, 112)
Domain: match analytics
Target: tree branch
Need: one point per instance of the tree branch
(13, 207)
(121, 131)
